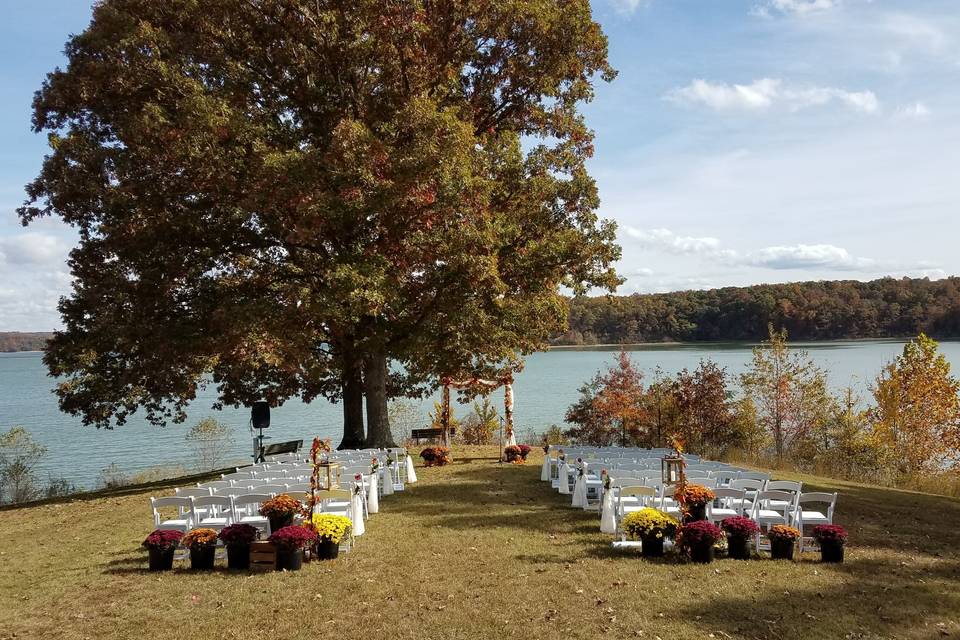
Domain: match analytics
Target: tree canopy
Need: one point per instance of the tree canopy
(280, 196)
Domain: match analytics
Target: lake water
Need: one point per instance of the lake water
(543, 391)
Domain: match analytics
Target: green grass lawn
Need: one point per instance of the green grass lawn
(479, 550)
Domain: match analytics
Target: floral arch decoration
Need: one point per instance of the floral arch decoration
(486, 386)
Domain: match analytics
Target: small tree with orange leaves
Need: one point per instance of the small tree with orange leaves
(917, 417)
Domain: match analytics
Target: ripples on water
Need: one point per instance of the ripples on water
(543, 391)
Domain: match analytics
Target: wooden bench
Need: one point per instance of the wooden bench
(291, 446)
(429, 434)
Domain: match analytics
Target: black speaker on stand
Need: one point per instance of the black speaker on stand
(259, 420)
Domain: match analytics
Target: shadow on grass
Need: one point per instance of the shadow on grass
(874, 600)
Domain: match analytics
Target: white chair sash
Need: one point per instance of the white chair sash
(411, 472)
(580, 487)
(608, 518)
(387, 480)
(564, 478)
(373, 494)
(545, 470)
(356, 513)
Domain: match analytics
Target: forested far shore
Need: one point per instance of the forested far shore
(826, 310)
(12, 341)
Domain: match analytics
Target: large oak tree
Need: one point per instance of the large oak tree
(279, 197)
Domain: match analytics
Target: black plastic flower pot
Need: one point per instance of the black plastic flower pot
(279, 522)
(327, 549)
(696, 513)
(238, 556)
(782, 549)
(738, 548)
(161, 559)
(702, 553)
(831, 551)
(289, 559)
(202, 558)
(651, 547)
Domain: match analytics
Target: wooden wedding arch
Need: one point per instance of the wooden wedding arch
(485, 386)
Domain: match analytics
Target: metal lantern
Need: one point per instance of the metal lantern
(671, 469)
(333, 474)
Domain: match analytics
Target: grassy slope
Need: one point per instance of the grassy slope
(477, 550)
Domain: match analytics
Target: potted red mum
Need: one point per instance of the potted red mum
(237, 538)
(524, 451)
(290, 543)
(832, 538)
(697, 538)
(162, 544)
(783, 540)
(739, 530)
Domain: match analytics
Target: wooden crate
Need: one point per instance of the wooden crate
(263, 555)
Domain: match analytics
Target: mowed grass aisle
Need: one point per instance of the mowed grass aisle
(480, 550)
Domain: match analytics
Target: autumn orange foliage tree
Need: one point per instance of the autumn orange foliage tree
(917, 415)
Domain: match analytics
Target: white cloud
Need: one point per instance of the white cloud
(803, 257)
(767, 93)
(629, 6)
(794, 7)
(917, 110)
(33, 248)
(807, 256)
(33, 277)
(666, 240)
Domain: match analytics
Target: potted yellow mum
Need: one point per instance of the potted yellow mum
(330, 530)
(650, 527)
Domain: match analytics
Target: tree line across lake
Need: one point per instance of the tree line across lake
(828, 310)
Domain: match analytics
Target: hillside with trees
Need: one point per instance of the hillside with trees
(17, 341)
(884, 308)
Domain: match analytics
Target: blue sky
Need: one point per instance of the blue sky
(744, 141)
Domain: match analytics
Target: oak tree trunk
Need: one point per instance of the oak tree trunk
(375, 386)
(353, 436)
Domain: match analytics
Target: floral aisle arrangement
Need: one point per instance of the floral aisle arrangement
(695, 499)
(238, 538)
(330, 530)
(650, 527)
(513, 455)
(739, 530)
(832, 539)
(290, 542)
(202, 543)
(783, 540)
(161, 545)
(436, 456)
(280, 511)
(697, 538)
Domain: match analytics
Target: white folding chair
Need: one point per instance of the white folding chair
(754, 475)
(812, 517)
(772, 508)
(729, 503)
(246, 510)
(184, 518)
(212, 512)
(783, 485)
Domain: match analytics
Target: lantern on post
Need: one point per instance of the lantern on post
(671, 469)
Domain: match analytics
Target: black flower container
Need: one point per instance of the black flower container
(202, 558)
(161, 559)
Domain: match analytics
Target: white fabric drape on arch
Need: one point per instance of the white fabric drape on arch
(545, 470)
